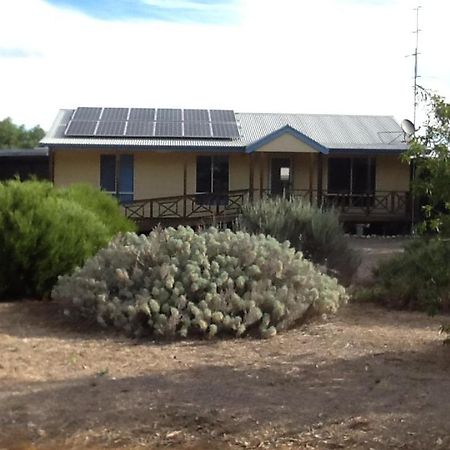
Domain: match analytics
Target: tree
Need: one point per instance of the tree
(17, 136)
(430, 151)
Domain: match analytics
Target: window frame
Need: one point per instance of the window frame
(119, 171)
(213, 196)
(370, 176)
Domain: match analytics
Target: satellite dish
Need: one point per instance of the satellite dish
(408, 127)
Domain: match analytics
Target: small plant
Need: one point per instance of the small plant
(46, 232)
(315, 232)
(178, 282)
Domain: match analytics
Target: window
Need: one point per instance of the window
(351, 175)
(351, 181)
(212, 178)
(117, 176)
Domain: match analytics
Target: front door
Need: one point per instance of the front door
(280, 176)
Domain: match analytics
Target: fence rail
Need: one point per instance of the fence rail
(227, 205)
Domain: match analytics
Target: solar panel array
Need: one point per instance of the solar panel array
(152, 122)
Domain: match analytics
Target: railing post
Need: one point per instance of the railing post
(311, 172)
(251, 177)
(151, 209)
(184, 185)
(261, 175)
(392, 201)
(319, 179)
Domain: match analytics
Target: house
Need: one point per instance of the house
(24, 163)
(174, 165)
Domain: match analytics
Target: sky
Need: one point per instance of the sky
(290, 56)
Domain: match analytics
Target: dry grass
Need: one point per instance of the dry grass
(367, 378)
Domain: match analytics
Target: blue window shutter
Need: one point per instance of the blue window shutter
(108, 173)
(126, 178)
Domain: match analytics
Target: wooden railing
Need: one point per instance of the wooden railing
(226, 206)
(379, 203)
(191, 206)
(392, 203)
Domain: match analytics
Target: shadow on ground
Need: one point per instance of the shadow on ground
(221, 402)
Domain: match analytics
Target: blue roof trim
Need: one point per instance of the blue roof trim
(366, 151)
(154, 149)
(287, 129)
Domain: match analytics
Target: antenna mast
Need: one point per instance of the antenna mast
(415, 54)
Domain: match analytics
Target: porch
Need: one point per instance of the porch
(207, 208)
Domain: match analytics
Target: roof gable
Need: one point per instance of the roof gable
(286, 130)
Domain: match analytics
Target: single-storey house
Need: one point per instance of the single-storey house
(169, 165)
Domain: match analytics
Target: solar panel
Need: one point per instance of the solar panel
(142, 114)
(168, 115)
(87, 113)
(196, 115)
(144, 129)
(168, 129)
(114, 114)
(110, 128)
(225, 130)
(222, 115)
(81, 128)
(197, 129)
(151, 122)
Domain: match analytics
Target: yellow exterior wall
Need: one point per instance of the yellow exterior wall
(161, 174)
(286, 143)
(155, 174)
(302, 165)
(261, 170)
(75, 167)
(239, 172)
(392, 174)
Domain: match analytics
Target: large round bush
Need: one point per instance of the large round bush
(104, 206)
(176, 281)
(46, 233)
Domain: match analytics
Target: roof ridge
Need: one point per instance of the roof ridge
(315, 114)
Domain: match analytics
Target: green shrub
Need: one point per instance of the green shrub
(44, 234)
(315, 232)
(419, 278)
(105, 207)
(176, 281)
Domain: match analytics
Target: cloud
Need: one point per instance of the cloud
(201, 11)
(12, 52)
(326, 56)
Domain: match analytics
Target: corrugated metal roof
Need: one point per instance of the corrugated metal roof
(23, 152)
(336, 132)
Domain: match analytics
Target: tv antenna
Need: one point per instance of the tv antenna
(416, 54)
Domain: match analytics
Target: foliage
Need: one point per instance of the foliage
(17, 136)
(430, 151)
(105, 207)
(178, 282)
(315, 232)
(416, 279)
(419, 278)
(45, 233)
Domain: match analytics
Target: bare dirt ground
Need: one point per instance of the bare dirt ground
(365, 379)
(374, 250)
